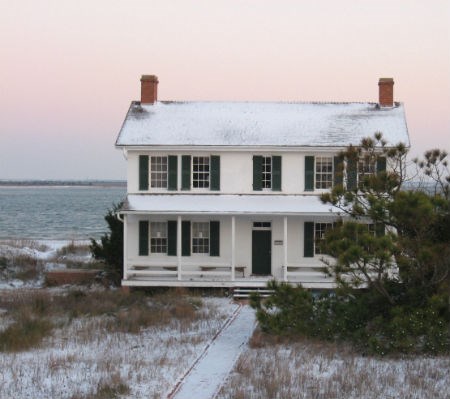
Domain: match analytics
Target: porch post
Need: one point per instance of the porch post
(285, 238)
(179, 247)
(233, 247)
(125, 246)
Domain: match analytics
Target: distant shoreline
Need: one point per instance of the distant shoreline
(63, 183)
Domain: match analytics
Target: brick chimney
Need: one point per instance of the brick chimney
(149, 89)
(386, 92)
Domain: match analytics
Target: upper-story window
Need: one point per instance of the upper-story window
(358, 169)
(266, 173)
(158, 172)
(324, 172)
(200, 172)
(366, 168)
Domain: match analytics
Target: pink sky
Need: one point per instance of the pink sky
(69, 69)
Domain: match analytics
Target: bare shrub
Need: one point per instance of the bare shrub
(73, 248)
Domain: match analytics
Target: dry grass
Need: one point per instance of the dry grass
(25, 333)
(33, 312)
(93, 350)
(279, 368)
(73, 248)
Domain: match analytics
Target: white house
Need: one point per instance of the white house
(226, 194)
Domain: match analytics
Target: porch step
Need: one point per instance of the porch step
(244, 292)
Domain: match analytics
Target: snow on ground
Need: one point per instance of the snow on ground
(80, 357)
(42, 255)
(77, 359)
(311, 369)
(207, 376)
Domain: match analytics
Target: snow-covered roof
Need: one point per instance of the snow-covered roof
(227, 204)
(260, 124)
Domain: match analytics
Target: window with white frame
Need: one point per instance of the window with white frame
(366, 167)
(319, 235)
(158, 237)
(158, 172)
(200, 172)
(200, 237)
(266, 172)
(324, 172)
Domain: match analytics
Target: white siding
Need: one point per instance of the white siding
(236, 172)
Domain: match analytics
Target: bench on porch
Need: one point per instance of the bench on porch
(239, 269)
(299, 271)
(170, 268)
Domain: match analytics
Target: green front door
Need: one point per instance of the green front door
(261, 252)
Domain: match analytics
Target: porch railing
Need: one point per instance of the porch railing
(171, 269)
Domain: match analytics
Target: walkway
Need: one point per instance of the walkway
(205, 378)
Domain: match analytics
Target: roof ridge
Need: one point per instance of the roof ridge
(255, 102)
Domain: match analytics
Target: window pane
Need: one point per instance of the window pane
(319, 234)
(158, 237)
(200, 169)
(324, 172)
(267, 172)
(158, 172)
(200, 238)
(366, 168)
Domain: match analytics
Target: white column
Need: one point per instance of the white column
(285, 247)
(125, 246)
(233, 247)
(179, 247)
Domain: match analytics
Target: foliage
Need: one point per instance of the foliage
(110, 248)
(363, 317)
(393, 279)
(434, 170)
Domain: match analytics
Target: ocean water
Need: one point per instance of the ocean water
(56, 212)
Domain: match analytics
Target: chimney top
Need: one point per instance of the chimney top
(151, 78)
(386, 92)
(149, 89)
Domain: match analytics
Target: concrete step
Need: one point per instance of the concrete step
(245, 292)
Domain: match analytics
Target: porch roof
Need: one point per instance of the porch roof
(227, 204)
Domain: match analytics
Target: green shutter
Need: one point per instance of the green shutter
(185, 238)
(338, 170)
(276, 173)
(143, 238)
(173, 173)
(214, 238)
(143, 172)
(172, 238)
(308, 237)
(379, 229)
(381, 164)
(186, 172)
(309, 173)
(351, 173)
(215, 173)
(257, 173)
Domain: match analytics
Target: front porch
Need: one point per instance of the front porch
(219, 241)
(219, 275)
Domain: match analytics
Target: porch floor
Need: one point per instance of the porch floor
(252, 281)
